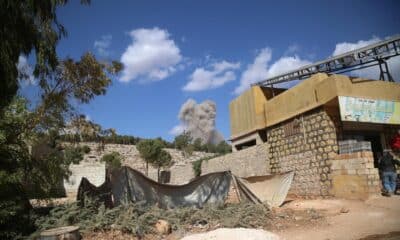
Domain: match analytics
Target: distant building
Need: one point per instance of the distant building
(330, 129)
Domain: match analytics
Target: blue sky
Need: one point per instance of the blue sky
(176, 50)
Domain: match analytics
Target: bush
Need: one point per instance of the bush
(113, 160)
(86, 149)
(196, 165)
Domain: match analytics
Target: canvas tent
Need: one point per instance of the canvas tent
(128, 185)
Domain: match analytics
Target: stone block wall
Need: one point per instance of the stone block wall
(95, 172)
(354, 176)
(252, 161)
(92, 168)
(305, 144)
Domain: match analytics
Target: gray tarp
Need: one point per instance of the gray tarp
(130, 185)
(271, 189)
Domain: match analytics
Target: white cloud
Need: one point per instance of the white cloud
(371, 72)
(214, 76)
(346, 46)
(261, 68)
(25, 71)
(151, 56)
(177, 130)
(102, 45)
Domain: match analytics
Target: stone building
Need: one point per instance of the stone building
(329, 129)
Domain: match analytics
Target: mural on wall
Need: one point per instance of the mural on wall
(369, 110)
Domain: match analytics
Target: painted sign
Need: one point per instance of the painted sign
(369, 110)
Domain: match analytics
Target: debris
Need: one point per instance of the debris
(344, 210)
(163, 227)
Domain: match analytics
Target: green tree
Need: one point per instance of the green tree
(28, 26)
(163, 159)
(223, 148)
(149, 150)
(183, 143)
(31, 27)
(113, 160)
(197, 145)
(72, 82)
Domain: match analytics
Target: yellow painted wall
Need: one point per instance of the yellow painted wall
(247, 112)
(252, 110)
(320, 89)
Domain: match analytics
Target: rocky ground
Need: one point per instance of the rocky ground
(333, 219)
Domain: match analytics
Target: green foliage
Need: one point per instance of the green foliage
(86, 149)
(30, 156)
(139, 219)
(163, 159)
(151, 150)
(185, 143)
(113, 160)
(182, 142)
(27, 26)
(196, 165)
(73, 154)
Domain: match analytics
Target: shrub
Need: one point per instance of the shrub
(86, 149)
(113, 160)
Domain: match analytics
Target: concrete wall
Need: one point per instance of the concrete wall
(252, 161)
(318, 90)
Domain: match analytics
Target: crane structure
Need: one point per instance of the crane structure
(368, 56)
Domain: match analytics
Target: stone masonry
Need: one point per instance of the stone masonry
(92, 168)
(305, 144)
(252, 161)
(354, 175)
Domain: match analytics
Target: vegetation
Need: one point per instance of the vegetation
(163, 159)
(86, 149)
(31, 156)
(183, 143)
(113, 160)
(151, 150)
(196, 165)
(139, 219)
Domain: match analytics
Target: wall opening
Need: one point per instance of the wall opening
(246, 145)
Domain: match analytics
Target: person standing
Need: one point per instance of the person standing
(388, 170)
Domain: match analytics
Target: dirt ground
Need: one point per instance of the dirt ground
(376, 218)
(325, 219)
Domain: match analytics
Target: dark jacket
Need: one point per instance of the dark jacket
(387, 163)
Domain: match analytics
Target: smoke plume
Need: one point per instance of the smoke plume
(199, 120)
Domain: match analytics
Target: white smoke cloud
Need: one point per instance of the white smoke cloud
(213, 77)
(261, 68)
(199, 121)
(152, 56)
(177, 130)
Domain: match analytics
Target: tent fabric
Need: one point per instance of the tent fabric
(128, 185)
(271, 189)
(131, 185)
(102, 193)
